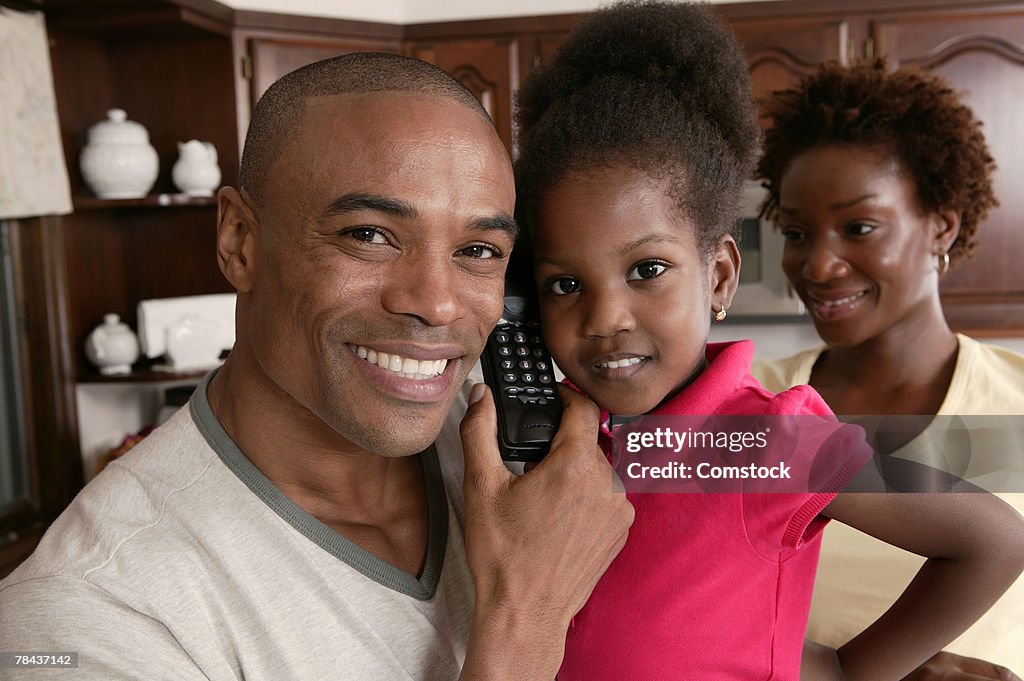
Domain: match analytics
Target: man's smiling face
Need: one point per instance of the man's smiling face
(384, 234)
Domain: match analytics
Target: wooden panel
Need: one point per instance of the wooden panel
(263, 56)
(781, 51)
(536, 49)
(51, 421)
(274, 57)
(489, 68)
(982, 55)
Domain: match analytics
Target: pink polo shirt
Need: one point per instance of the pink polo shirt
(713, 586)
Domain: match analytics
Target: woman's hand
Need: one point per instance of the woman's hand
(945, 666)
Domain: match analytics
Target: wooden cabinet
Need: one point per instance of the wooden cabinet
(491, 57)
(489, 68)
(267, 46)
(781, 50)
(116, 252)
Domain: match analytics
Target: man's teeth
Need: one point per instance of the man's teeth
(420, 369)
(843, 301)
(618, 364)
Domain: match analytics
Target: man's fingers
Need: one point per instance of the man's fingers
(479, 432)
(581, 419)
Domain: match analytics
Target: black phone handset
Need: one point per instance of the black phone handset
(519, 370)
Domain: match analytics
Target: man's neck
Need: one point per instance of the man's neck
(378, 502)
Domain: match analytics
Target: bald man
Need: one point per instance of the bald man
(305, 516)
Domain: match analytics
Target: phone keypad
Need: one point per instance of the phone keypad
(530, 378)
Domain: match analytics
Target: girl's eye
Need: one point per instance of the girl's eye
(860, 229)
(481, 252)
(646, 270)
(368, 235)
(564, 286)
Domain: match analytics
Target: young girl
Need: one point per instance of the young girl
(634, 142)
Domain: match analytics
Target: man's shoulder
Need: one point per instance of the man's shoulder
(127, 500)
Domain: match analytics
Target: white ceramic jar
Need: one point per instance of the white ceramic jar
(112, 346)
(119, 162)
(196, 172)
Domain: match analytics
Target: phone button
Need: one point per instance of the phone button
(508, 378)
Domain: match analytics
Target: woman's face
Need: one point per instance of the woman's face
(860, 250)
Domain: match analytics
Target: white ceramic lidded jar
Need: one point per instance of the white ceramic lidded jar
(119, 162)
(112, 346)
(196, 172)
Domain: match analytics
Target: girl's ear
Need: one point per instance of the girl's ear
(725, 273)
(236, 239)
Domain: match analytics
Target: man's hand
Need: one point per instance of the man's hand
(536, 543)
(945, 666)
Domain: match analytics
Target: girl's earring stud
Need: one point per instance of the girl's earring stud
(720, 314)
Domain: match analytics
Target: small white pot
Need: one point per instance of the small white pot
(119, 162)
(112, 346)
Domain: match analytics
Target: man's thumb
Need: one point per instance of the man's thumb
(479, 432)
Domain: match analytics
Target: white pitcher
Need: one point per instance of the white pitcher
(196, 172)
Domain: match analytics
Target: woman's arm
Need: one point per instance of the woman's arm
(975, 548)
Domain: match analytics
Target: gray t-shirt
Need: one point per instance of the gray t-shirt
(182, 561)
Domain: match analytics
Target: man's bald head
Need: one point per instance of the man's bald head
(277, 117)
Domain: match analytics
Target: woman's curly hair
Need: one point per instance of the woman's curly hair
(911, 114)
(660, 86)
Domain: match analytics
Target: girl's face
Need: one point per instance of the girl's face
(625, 294)
(860, 250)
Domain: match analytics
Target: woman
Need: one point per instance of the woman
(879, 181)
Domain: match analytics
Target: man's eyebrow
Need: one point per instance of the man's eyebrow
(500, 222)
(354, 203)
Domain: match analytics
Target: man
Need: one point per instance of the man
(303, 517)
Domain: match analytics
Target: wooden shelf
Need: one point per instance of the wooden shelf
(141, 375)
(151, 201)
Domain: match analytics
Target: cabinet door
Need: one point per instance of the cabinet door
(782, 50)
(982, 55)
(488, 67)
(536, 49)
(266, 56)
(275, 57)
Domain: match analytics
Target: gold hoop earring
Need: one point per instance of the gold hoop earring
(943, 266)
(720, 314)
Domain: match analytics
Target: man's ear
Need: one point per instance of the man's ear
(725, 273)
(236, 239)
(947, 229)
